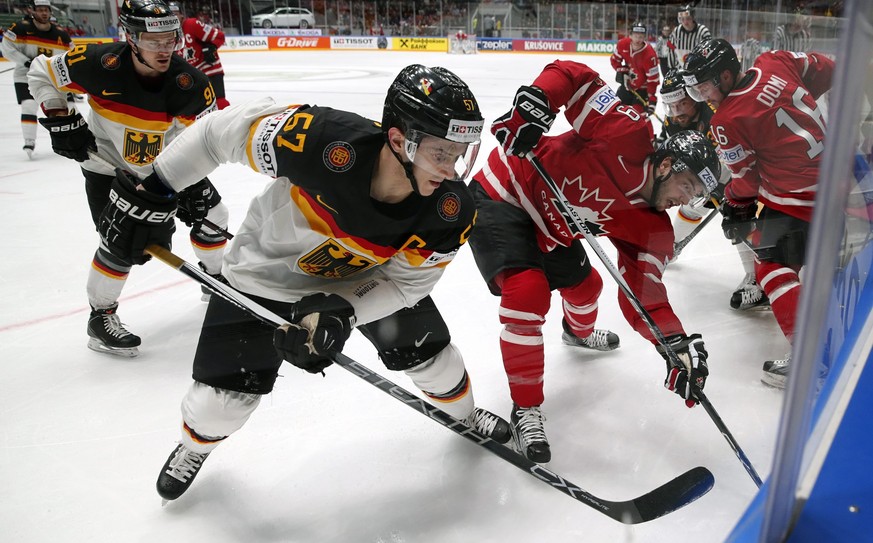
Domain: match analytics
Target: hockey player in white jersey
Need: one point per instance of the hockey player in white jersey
(356, 228)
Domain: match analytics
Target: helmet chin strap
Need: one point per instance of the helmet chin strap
(407, 167)
(657, 183)
(137, 54)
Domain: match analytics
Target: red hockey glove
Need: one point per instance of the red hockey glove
(624, 76)
(691, 375)
(519, 130)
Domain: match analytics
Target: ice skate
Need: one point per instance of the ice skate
(178, 472)
(529, 433)
(489, 424)
(775, 372)
(108, 335)
(206, 293)
(599, 340)
(29, 146)
(749, 295)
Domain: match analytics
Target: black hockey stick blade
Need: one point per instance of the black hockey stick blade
(669, 497)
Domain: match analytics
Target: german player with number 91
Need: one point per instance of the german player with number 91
(770, 133)
(142, 95)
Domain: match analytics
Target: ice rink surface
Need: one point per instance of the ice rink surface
(83, 435)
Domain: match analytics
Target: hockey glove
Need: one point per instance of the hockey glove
(738, 222)
(195, 202)
(651, 105)
(210, 54)
(70, 136)
(320, 326)
(520, 129)
(691, 375)
(624, 76)
(134, 219)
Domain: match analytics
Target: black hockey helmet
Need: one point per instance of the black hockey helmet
(637, 26)
(690, 150)
(424, 101)
(141, 16)
(687, 8)
(707, 61)
(673, 88)
(433, 101)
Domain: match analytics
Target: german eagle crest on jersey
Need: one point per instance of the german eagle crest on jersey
(333, 261)
(140, 147)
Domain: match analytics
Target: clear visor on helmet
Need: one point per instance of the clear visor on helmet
(162, 34)
(443, 158)
(696, 187)
(685, 107)
(700, 91)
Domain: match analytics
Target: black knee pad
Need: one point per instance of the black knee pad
(783, 238)
(410, 336)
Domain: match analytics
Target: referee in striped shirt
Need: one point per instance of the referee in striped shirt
(688, 34)
(793, 36)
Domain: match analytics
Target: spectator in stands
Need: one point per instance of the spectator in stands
(665, 50)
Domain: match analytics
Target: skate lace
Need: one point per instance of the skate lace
(530, 425)
(185, 464)
(750, 296)
(113, 325)
(598, 338)
(482, 421)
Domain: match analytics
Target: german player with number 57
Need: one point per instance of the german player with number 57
(770, 133)
(355, 227)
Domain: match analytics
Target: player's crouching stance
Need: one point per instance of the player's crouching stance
(524, 247)
(355, 229)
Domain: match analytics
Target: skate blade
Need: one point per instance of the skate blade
(98, 346)
(774, 382)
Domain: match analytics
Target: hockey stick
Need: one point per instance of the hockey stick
(673, 495)
(206, 222)
(575, 222)
(645, 104)
(7, 70)
(678, 247)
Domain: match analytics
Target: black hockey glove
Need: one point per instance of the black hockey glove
(70, 136)
(210, 54)
(651, 105)
(134, 219)
(738, 222)
(520, 129)
(320, 326)
(624, 76)
(692, 355)
(194, 203)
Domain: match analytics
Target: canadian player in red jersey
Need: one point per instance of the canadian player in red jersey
(636, 70)
(202, 41)
(770, 132)
(621, 186)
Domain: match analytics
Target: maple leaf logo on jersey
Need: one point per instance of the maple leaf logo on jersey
(588, 205)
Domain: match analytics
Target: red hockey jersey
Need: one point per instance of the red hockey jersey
(601, 168)
(198, 34)
(643, 64)
(770, 132)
